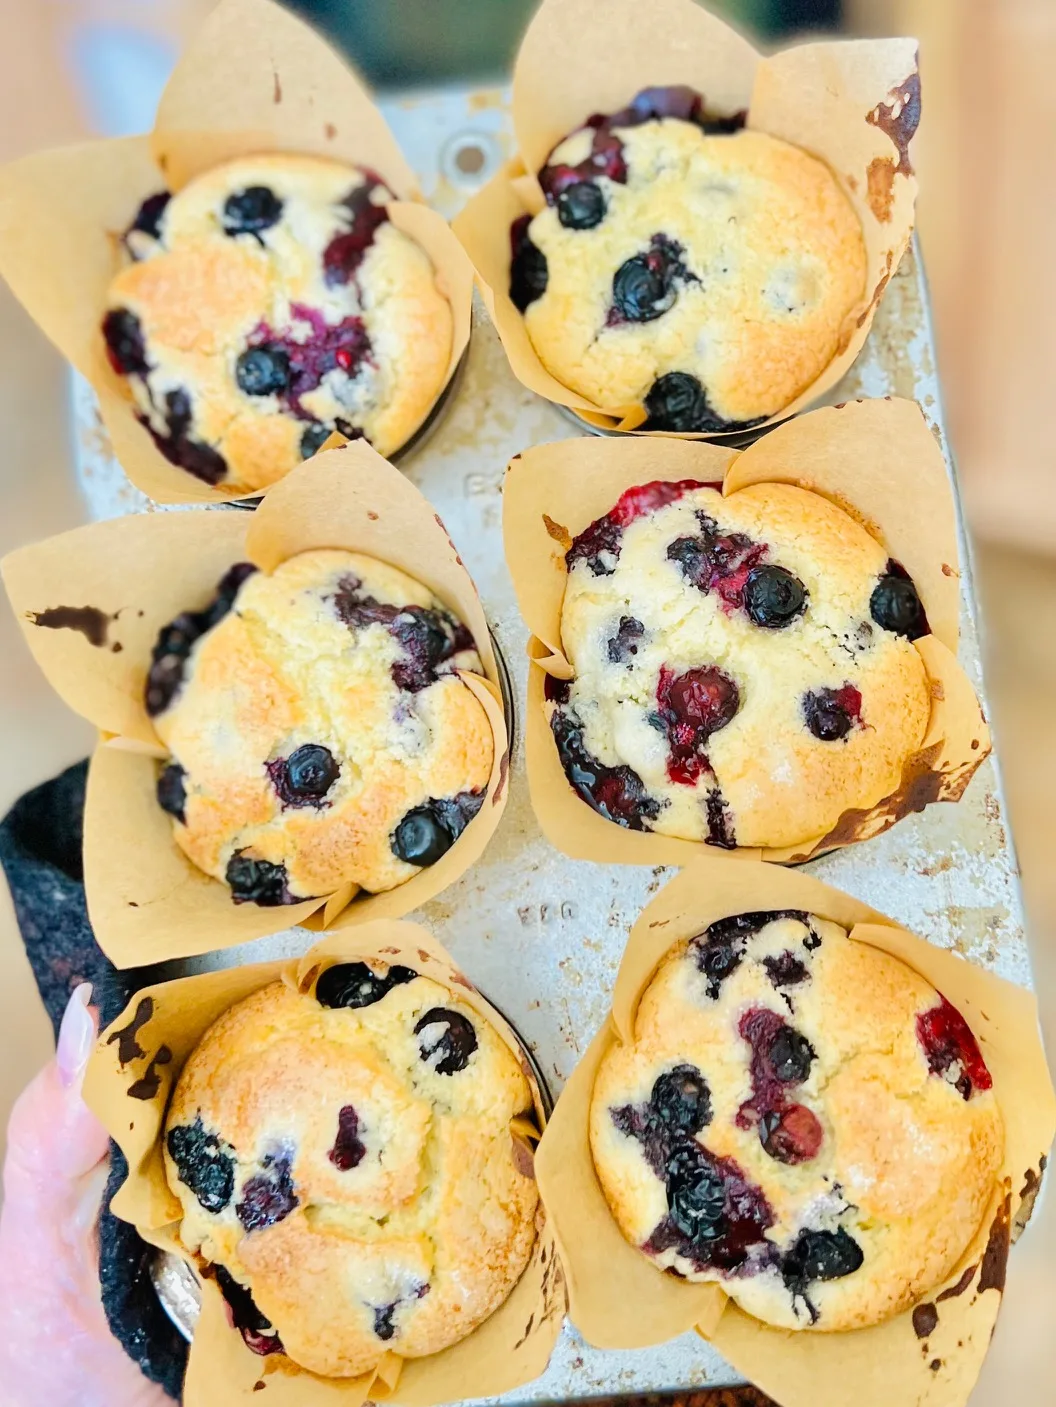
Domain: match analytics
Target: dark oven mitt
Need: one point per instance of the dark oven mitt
(40, 850)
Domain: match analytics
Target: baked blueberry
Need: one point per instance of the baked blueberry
(349, 1150)
(251, 210)
(696, 1194)
(681, 1100)
(644, 286)
(305, 777)
(448, 1040)
(171, 792)
(149, 215)
(895, 605)
(773, 597)
(832, 713)
(384, 1314)
(314, 437)
(204, 1163)
(581, 206)
(791, 1056)
(257, 1331)
(263, 371)
(529, 274)
(125, 346)
(820, 1255)
(623, 646)
(269, 1195)
(676, 402)
(421, 838)
(179, 446)
(257, 881)
(354, 984)
(176, 640)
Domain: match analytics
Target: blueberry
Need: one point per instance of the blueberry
(149, 214)
(314, 437)
(696, 1195)
(895, 606)
(791, 1134)
(529, 273)
(171, 793)
(581, 206)
(257, 1332)
(204, 1163)
(176, 640)
(617, 793)
(249, 211)
(643, 287)
(304, 778)
(820, 1255)
(353, 984)
(384, 1328)
(257, 881)
(677, 402)
(268, 1196)
(125, 345)
(791, 1056)
(681, 1100)
(349, 1150)
(421, 838)
(832, 713)
(447, 1050)
(180, 448)
(773, 597)
(624, 644)
(263, 371)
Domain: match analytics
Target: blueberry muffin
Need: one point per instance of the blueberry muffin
(268, 303)
(702, 271)
(801, 1118)
(346, 1169)
(319, 732)
(744, 672)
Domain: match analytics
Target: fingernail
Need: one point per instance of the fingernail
(76, 1036)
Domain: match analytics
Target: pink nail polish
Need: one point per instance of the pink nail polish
(76, 1036)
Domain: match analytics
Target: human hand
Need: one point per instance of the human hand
(56, 1347)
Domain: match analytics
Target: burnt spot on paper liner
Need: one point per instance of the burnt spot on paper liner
(88, 621)
(920, 785)
(955, 1291)
(127, 1037)
(925, 1320)
(899, 119)
(148, 1084)
(994, 1263)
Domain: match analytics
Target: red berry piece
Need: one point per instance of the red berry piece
(349, 1150)
(693, 706)
(952, 1051)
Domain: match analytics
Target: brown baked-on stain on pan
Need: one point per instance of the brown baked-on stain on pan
(88, 621)
(994, 1264)
(127, 1038)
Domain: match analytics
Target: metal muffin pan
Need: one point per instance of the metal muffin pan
(542, 934)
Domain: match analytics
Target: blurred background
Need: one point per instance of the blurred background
(987, 220)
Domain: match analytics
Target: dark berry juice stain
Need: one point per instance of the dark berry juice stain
(345, 252)
(204, 1163)
(257, 1332)
(354, 984)
(617, 793)
(720, 821)
(717, 561)
(780, 1057)
(88, 621)
(448, 1040)
(895, 605)
(269, 1195)
(716, 1218)
(830, 714)
(623, 646)
(900, 119)
(428, 832)
(647, 285)
(555, 690)
(430, 638)
(305, 777)
(179, 446)
(677, 402)
(258, 882)
(719, 951)
(819, 1255)
(529, 273)
(598, 545)
(951, 1050)
(251, 211)
(149, 216)
(692, 706)
(149, 1083)
(349, 1150)
(277, 363)
(176, 640)
(127, 1037)
(126, 349)
(171, 791)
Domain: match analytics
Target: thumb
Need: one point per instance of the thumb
(53, 1136)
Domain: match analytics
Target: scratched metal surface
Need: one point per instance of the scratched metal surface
(542, 935)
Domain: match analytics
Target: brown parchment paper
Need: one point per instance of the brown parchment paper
(130, 576)
(876, 459)
(165, 1022)
(831, 98)
(618, 1299)
(255, 79)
